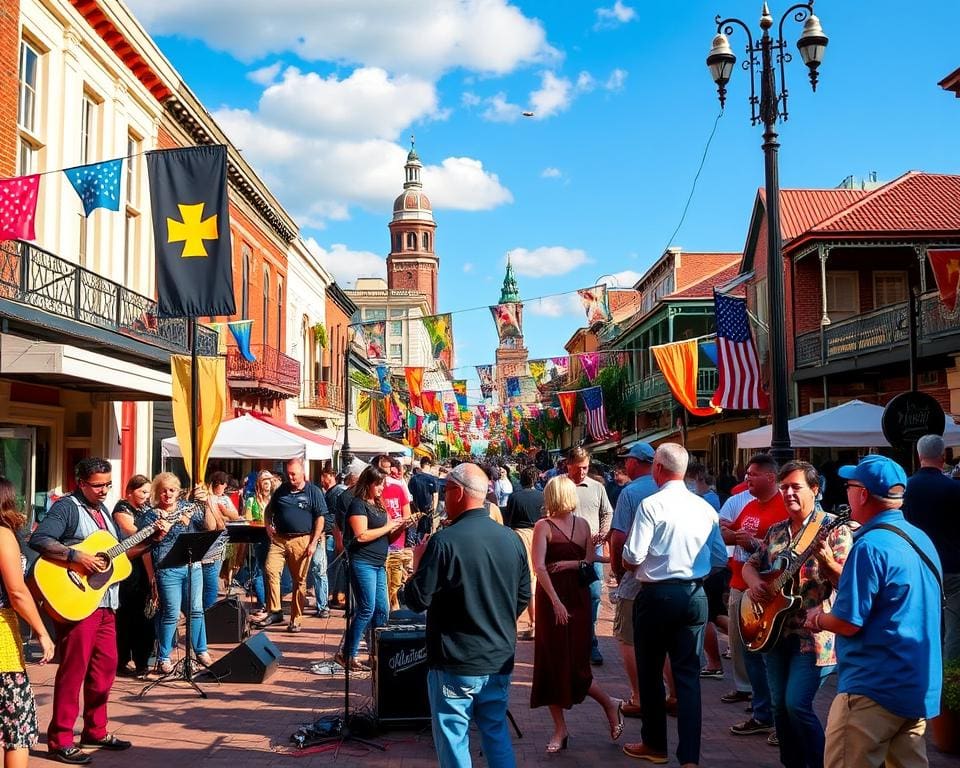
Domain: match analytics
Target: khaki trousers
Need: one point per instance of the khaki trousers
(291, 550)
(862, 734)
(398, 560)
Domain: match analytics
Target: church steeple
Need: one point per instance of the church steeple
(412, 167)
(510, 293)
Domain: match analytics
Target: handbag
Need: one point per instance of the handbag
(587, 573)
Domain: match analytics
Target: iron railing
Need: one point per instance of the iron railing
(645, 392)
(876, 331)
(321, 394)
(35, 277)
(270, 369)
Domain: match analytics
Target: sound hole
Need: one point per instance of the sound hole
(98, 580)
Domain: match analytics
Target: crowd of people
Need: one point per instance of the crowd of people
(495, 552)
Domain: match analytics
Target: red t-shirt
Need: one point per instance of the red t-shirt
(395, 496)
(756, 517)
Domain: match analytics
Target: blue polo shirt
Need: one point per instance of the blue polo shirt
(629, 501)
(888, 591)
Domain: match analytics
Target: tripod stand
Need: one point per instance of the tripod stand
(187, 549)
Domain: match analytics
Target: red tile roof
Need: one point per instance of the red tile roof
(693, 266)
(951, 82)
(703, 289)
(802, 209)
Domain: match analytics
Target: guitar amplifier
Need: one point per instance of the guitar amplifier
(400, 674)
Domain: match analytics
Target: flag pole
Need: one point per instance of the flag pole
(345, 456)
(194, 402)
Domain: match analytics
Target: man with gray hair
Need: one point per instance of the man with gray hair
(932, 503)
(472, 580)
(673, 545)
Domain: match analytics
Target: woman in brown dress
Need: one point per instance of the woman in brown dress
(562, 675)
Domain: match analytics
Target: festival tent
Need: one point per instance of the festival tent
(854, 424)
(246, 437)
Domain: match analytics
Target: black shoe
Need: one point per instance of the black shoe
(109, 742)
(749, 727)
(323, 613)
(71, 756)
(272, 618)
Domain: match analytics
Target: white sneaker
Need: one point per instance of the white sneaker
(205, 658)
(166, 666)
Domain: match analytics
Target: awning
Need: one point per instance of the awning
(319, 447)
(63, 365)
(248, 438)
(363, 443)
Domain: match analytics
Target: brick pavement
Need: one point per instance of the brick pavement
(250, 725)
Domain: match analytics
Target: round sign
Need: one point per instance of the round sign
(910, 416)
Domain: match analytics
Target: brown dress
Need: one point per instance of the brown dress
(561, 656)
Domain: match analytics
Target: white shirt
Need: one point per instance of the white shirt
(675, 535)
(731, 510)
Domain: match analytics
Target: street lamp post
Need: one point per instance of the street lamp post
(770, 107)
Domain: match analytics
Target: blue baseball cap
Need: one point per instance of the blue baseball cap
(881, 476)
(640, 452)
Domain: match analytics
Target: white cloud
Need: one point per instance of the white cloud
(470, 99)
(489, 36)
(555, 95)
(468, 266)
(608, 18)
(346, 265)
(499, 110)
(585, 82)
(616, 80)
(552, 97)
(555, 306)
(626, 278)
(265, 75)
(547, 260)
(551, 173)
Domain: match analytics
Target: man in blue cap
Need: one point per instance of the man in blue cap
(887, 620)
(638, 462)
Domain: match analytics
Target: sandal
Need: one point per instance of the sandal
(555, 746)
(617, 732)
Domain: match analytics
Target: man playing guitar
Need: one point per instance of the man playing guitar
(87, 648)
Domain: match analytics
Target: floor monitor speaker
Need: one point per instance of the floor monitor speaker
(253, 661)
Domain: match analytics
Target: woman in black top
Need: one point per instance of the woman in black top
(366, 537)
(135, 630)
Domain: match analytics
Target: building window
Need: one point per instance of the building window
(245, 285)
(396, 351)
(89, 110)
(396, 314)
(396, 328)
(82, 241)
(374, 314)
(411, 241)
(889, 287)
(29, 78)
(133, 170)
(279, 312)
(266, 306)
(130, 249)
(398, 242)
(26, 157)
(843, 295)
(426, 241)
(761, 300)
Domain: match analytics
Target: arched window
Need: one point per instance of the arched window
(266, 306)
(411, 241)
(245, 285)
(279, 312)
(426, 241)
(398, 242)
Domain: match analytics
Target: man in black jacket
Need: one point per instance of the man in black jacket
(473, 581)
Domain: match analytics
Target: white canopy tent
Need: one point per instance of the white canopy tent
(246, 437)
(364, 442)
(854, 424)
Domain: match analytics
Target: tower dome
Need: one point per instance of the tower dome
(412, 204)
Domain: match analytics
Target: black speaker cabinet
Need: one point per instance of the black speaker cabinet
(400, 674)
(253, 661)
(226, 621)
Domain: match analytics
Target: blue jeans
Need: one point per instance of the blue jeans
(369, 585)
(211, 582)
(596, 590)
(454, 701)
(336, 578)
(318, 574)
(172, 586)
(794, 680)
(756, 666)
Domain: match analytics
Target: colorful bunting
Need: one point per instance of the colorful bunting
(591, 364)
(383, 375)
(97, 184)
(376, 340)
(509, 320)
(679, 364)
(414, 378)
(240, 330)
(568, 402)
(460, 392)
(485, 374)
(512, 387)
(440, 331)
(18, 207)
(595, 304)
(562, 365)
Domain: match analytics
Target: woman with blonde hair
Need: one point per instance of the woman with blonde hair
(563, 557)
(18, 709)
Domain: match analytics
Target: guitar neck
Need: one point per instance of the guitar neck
(794, 568)
(132, 541)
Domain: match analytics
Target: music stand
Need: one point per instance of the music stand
(250, 534)
(189, 548)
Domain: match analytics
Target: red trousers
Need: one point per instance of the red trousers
(88, 663)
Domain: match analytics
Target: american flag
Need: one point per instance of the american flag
(739, 385)
(596, 415)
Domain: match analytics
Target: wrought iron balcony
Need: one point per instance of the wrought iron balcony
(33, 277)
(651, 392)
(272, 372)
(877, 331)
(321, 395)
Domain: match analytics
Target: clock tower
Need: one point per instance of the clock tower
(511, 355)
(412, 263)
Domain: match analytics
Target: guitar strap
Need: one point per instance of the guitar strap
(810, 529)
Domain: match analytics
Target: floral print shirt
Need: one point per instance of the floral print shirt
(812, 584)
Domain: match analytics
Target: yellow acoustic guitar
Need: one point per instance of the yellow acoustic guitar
(67, 593)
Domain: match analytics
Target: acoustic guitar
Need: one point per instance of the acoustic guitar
(69, 594)
(762, 622)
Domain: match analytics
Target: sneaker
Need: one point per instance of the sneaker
(716, 674)
(165, 666)
(772, 739)
(749, 727)
(323, 613)
(293, 628)
(269, 619)
(70, 756)
(727, 654)
(732, 697)
(205, 658)
(109, 742)
(641, 751)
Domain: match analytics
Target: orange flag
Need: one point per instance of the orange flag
(678, 362)
(414, 378)
(946, 271)
(568, 401)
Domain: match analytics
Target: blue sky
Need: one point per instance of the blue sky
(323, 96)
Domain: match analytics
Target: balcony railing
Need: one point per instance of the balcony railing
(645, 392)
(271, 370)
(35, 277)
(321, 394)
(876, 331)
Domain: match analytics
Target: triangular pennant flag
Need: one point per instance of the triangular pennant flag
(18, 207)
(240, 329)
(591, 364)
(679, 364)
(98, 184)
(414, 378)
(383, 376)
(946, 271)
(568, 401)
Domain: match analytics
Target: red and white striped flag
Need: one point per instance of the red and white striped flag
(596, 414)
(739, 385)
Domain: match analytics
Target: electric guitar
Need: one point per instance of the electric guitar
(761, 622)
(69, 594)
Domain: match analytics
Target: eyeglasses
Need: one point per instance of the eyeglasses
(853, 485)
(98, 486)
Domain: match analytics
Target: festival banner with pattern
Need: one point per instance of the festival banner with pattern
(440, 331)
(509, 320)
(485, 374)
(595, 304)
(376, 339)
